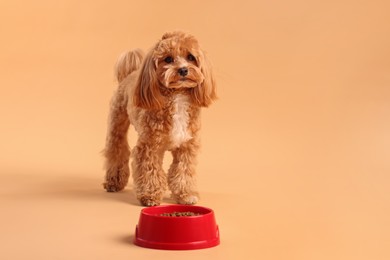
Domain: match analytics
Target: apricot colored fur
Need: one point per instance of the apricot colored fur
(162, 99)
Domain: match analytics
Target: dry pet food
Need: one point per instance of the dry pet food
(180, 214)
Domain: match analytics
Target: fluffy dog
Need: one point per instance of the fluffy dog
(161, 95)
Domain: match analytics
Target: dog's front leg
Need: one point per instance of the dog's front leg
(149, 177)
(181, 174)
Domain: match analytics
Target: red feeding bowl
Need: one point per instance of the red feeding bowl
(176, 233)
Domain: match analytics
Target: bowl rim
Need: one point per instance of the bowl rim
(146, 212)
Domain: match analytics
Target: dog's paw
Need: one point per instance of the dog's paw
(188, 200)
(116, 178)
(148, 202)
(111, 187)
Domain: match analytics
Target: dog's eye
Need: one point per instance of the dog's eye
(168, 59)
(191, 57)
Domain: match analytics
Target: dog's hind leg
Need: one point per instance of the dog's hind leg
(117, 151)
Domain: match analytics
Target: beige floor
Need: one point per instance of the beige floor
(295, 156)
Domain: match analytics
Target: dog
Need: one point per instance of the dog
(161, 95)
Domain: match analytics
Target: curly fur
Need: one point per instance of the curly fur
(163, 104)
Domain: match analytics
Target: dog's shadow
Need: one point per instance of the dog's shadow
(86, 188)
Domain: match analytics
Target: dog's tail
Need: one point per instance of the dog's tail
(127, 63)
(117, 150)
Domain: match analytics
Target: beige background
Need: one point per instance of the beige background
(295, 159)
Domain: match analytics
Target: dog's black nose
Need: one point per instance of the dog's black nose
(183, 71)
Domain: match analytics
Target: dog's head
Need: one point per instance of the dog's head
(176, 62)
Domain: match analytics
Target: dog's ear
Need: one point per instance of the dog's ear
(147, 93)
(204, 94)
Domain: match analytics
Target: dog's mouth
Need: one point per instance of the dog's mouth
(183, 79)
(183, 82)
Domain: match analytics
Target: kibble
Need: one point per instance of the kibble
(180, 214)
